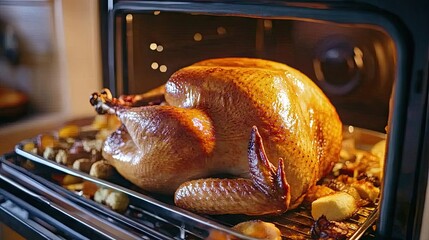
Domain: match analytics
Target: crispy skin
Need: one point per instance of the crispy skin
(149, 153)
(225, 196)
(295, 119)
(267, 192)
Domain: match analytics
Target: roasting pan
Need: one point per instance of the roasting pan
(158, 215)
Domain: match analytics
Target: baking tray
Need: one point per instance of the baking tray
(294, 224)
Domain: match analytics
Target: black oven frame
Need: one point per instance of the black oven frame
(406, 168)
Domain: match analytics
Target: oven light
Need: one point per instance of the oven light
(163, 68)
(268, 25)
(221, 30)
(351, 129)
(153, 46)
(156, 13)
(129, 18)
(154, 65)
(198, 37)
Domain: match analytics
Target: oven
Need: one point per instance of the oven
(369, 58)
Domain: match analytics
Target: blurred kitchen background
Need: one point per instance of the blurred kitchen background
(49, 65)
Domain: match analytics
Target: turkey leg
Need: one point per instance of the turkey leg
(267, 192)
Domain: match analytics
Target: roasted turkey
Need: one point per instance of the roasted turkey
(213, 109)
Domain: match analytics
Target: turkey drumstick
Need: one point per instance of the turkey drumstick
(267, 192)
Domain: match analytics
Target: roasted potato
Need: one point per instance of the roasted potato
(334, 207)
(83, 164)
(101, 194)
(117, 201)
(102, 169)
(259, 229)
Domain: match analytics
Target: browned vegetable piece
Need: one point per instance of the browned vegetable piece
(102, 169)
(259, 229)
(49, 153)
(82, 149)
(325, 229)
(89, 189)
(28, 147)
(70, 179)
(117, 201)
(83, 164)
(336, 207)
(64, 158)
(77, 150)
(74, 187)
(316, 192)
(366, 190)
(218, 235)
(65, 179)
(43, 141)
(101, 194)
(69, 131)
(353, 192)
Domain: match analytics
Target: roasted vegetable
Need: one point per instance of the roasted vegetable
(69, 131)
(259, 229)
(45, 140)
(325, 229)
(83, 165)
(102, 170)
(337, 206)
(117, 201)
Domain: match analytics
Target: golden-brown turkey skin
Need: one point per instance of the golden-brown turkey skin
(149, 153)
(266, 192)
(226, 196)
(296, 121)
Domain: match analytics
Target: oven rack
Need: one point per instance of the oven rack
(144, 209)
(161, 214)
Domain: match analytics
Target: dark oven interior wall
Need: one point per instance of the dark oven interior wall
(354, 65)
